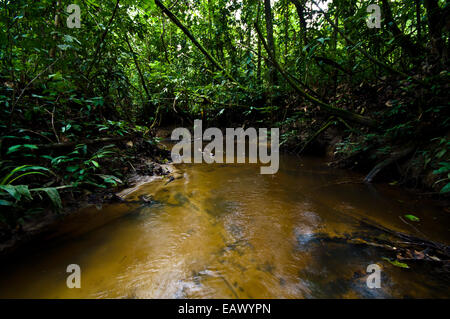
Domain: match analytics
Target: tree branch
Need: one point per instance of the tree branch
(323, 106)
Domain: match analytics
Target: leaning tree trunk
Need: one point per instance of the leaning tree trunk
(324, 107)
(299, 6)
(404, 41)
(141, 76)
(202, 49)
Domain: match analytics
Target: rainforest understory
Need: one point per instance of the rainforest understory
(83, 108)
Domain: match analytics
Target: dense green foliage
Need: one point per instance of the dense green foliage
(130, 69)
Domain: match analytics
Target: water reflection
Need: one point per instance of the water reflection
(226, 231)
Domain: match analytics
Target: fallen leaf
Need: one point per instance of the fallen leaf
(412, 218)
(396, 263)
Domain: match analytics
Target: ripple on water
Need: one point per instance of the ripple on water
(226, 231)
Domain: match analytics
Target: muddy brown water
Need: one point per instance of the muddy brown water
(226, 231)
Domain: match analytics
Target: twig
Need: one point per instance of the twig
(229, 286)
(131, 166)
(37, 133)
(413, 227)
(53, 124)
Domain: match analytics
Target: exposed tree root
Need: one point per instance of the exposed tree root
(387, 162)
(413, 249)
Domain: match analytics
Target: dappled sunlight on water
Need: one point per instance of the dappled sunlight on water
(226, 231)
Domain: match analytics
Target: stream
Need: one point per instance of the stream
(226, 231)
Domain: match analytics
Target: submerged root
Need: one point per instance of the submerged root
(405, 247)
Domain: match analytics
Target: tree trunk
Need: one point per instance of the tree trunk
(52, 52)
(136, 63)
(437, 19)
(299, 6)
(286, 30)
(228, 42)
(99, 46)
(404, 41)
(196, 43)
(258, 72)
(334, 74)
(270, 40)
(418, 22)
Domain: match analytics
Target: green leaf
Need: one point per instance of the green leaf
(412, 218)
(64, 47)
(11, 190)
(6, 178)
(322, 40)
(54, 197)
(111, 179)
(95, 184)
(15, 148)
(396, 263)
(24, 191)
(70, 39)
(446, 188)
(445, 167)
(72, 169)
(66, 128)
(25, 174)
(441, 153)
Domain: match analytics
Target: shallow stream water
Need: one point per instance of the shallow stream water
(226, 231)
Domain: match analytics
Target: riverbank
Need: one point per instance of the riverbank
(416, 161)
(150, 162)
(301, 233)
